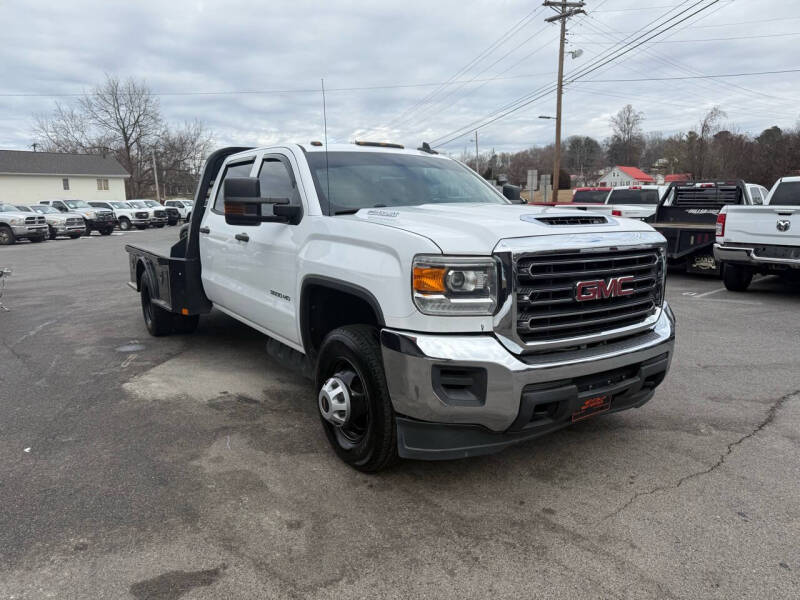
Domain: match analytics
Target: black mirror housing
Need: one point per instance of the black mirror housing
(243, 204)
(512, 192)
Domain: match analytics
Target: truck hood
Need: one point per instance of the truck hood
(469, 228)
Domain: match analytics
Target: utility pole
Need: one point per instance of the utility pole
(564, 10)
(155, 174)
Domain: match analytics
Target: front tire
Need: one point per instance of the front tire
(124, 224)
(107, 231)
(736, 277)
(353, 399)
(160, 225)
(37, 239)
(75, 236)
(157, 320)
(52, 233)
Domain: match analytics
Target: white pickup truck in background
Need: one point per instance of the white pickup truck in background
(761, 239)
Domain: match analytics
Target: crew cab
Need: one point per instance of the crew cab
(95, 219)
(125, 215)
(439, 320)
(58, 223)
(761, 239)
(18, 225)
(686, 215)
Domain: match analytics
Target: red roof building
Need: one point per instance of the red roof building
(621, 175)
(678, 177)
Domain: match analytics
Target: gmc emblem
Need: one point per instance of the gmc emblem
(599, 289)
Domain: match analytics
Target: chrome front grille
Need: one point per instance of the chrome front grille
(549, 285)
(160, 214)
(74, 221)
(34, 220)
(141, 215)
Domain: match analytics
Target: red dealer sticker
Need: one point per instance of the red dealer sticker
(591, 407)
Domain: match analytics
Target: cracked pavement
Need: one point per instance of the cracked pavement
(194, 467)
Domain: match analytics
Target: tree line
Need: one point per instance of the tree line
(710, 150)
(123, 119)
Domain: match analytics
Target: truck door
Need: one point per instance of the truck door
(251, 271)
(271, 253)
(219, 249)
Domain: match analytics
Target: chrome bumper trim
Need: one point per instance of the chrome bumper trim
(409, 363)
(748, 256)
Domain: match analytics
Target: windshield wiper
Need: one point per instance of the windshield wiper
(350, 211)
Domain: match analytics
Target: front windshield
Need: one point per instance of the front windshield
(633, 197)
(137, 204)
(8, 208)
(118, 205)
(151, 203)
(786, 194)
(377, 179)
(45, 209)
(24, 209)
(76, 204)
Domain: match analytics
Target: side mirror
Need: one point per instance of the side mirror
(512, 192)
(243, 203)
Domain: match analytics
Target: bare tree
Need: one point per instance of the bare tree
(124, 118)
(627, 141)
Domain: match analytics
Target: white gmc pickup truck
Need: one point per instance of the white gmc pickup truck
(439, 320)
(761, 239)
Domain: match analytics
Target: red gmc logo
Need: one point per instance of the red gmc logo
(599, 289)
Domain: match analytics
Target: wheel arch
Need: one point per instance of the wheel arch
(346, 304)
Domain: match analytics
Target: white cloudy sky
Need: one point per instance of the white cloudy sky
(49, 50)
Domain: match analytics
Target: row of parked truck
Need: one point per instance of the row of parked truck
(73, 218)
(731, 228)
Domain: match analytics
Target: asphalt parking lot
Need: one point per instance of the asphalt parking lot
(194, 467)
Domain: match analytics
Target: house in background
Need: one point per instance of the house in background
(624, 176)
(28, 177)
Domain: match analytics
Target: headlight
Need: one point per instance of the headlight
(16, 221)
(451, 285)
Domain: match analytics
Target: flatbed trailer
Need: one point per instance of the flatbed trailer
(686, 216)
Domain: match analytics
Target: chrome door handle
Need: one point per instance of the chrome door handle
(204, 230)
(242, 237)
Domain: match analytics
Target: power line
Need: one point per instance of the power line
(743, 37)
(536, 95)
(284, 91)
(717, 76)
(507, 35)
(708, 26)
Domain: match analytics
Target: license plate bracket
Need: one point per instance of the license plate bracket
(591, 407)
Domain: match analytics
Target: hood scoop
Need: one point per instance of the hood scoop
(570, 220)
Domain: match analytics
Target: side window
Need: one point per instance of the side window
(65, 183)
(59, 205)
(277, 181)
(755, 194)
(241, 169)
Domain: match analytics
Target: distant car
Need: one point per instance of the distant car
(18, 225)
(125, 215)
(635, 201)
(590, 195)
(158, 215)
(58, 223)
(96, 219)
(184, 208)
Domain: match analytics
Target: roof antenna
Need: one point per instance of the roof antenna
(325, 125)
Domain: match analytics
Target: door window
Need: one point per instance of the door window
(276, 180)
(755, 194)
(241, 169)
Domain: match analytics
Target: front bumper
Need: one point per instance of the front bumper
(518, 397)
(67, 229)
(747, 256)
(26, 231)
